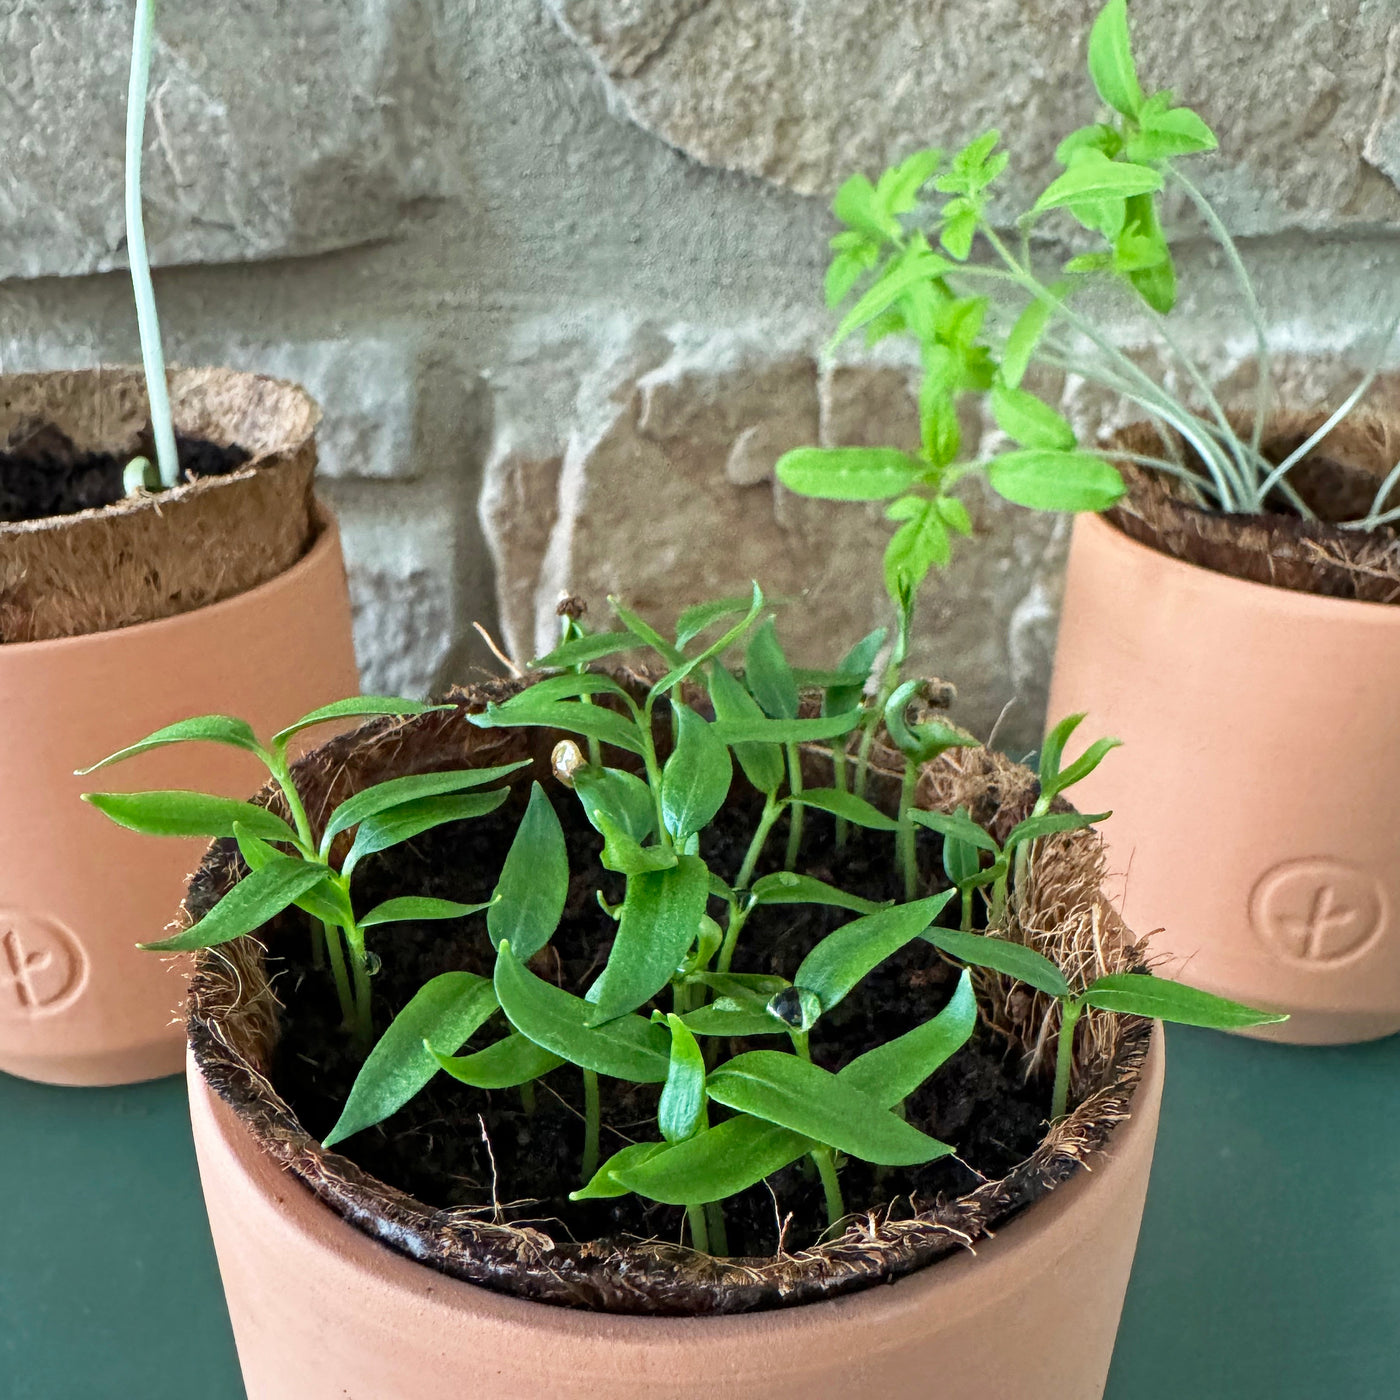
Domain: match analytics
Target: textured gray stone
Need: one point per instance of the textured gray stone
(803, 95)
(273, 130)
(672, 500)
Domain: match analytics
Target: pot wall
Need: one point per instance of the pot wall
(1256, 799)
(79, 1003)
(322, 1312)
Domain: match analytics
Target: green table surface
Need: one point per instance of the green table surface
(1268, 1267)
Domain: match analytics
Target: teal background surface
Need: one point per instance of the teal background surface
(1268, 1268)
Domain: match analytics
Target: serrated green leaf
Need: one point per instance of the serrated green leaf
(919, 545)
(958, 230)
(627, 1047)
(511, 1061)
(660, 916)
(579, 651)
(178, 813)
(842, 273)
(696, 778)
(415, 908)
(846, 956)
(1029, 421)
(899, 275)
(1094, 178)
(412, 819)
(357, 707)
(1166, 135)
(848, 473)
(795, 1094)
(1001, 955)
(446, 1011)
(855, 204)
(891, 1072)
(622, 797)
(681, 1112)
(530, 895)
(1051, 480)
(396, 791)
(248, 905)
(1139, 994)
(900, 185)
(209, 729)
(1111, 60)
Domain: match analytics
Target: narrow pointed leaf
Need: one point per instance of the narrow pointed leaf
(786, 731)
(697, 775)
(1094, 177)
(713, 1165)
(1029, 421)
(958, 826)
(1086, 763)
(1052, 822)
(1023, 338)
(660, 918)
(628, 857)
(853, 809)
(511, 1061)
(567, 687)
(1111, 60)
(605, 1185)
(891, 1072)
(795, 1094)
(727, 1017)
(1048, 479)
(581, 650)
(786, 887)
(762, 762)
(446, 1011)
(715, 649)
(1139, 994)
(1053, 749)
(534, 884)
(642, 629)
(592, 721)
(397, 791)
(413, 908)
(211, 729)
(681, 1112)
(694, 621)
(1001, 955)
(622, 797)
(176, 813)
(412, 819)
(248, 905)
(325, 901)
(843, 958)
(628, 1047)
(357, 707)
(768, 676)
(857, 663)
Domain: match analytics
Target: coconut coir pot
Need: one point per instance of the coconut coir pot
(340, 1283)
(226, 595)
(1250, 665)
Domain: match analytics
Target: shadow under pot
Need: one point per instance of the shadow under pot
(119, 616)
(1250, 665)
(415, 1286)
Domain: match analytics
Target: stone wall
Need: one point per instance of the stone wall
(553, 268)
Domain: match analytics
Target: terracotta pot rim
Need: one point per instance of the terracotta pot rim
(327, 536)
(232, 1028)
(1285, 600)
(933, 1291)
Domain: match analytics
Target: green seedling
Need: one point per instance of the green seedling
(291, 865)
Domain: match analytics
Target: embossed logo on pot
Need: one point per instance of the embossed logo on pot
(1318, 912)
(42, 965)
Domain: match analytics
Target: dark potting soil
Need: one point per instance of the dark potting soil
(453, 1146)
(44, 475)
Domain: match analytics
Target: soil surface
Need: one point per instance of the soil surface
(454, 1146)
(44, 475)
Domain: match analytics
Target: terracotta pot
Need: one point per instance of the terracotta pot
(79, 1003)
(322, 1312)
(1256, 798)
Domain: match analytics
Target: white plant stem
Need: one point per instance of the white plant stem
(152, 356)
